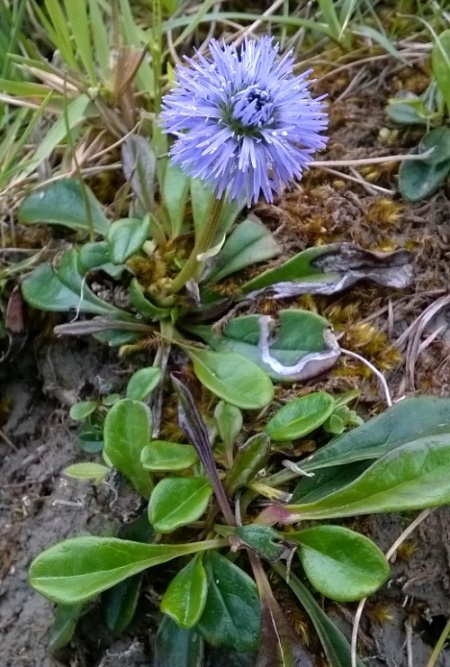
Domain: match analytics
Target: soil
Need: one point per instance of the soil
(39, 506)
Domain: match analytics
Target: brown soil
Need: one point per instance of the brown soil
(37, 439)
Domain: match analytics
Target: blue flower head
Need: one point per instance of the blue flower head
(243, 121)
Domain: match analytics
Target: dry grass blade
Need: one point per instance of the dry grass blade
(412, 338)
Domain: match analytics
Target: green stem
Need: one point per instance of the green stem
(202, 244)
(438, 648)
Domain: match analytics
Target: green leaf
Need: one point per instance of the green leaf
(439, 140)
(81, 410)
(89, 470)
(177, 647)
(161, 455)
(178, 501)
(326, 481)
(92, 255)
(64, 624)
(418, 179)
(65, 289)
(120, 602)
(297, 268)
(126, 432)
(412, 476)
(232, 377)
(267, 542)
(300, 416)
(143, 382)
(250, 459)
(185, 598)
(407, 420)
(440, 60)
(341, 564)
(63, 203)
(300, 333)
(250, 243)
(175, 191)
(405, 112)
(78, 569)
(143, 305)
(229, 422)
(232, 613)
(126, 237)
(335, 645)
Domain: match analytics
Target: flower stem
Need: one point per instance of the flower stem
(202, 243)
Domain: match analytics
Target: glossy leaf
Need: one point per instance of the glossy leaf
(249, 460)
(412, 476)
(335, 645)
(126, 432)
(300, 416)
(185, 597)
(63, 203)
(341, 564)
(177, 647)
(126, 237)
(120, 602)
(161, 455)
(250, 243)
(233, 378)
(232, 613)
(405, 421)
(300, 333)
(177, 501)
(326, 481)
(143, 382)
(80, 568)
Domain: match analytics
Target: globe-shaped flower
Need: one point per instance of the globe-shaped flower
(243, 121)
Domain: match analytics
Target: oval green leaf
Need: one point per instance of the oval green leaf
(341, 564)
(177, 501)
(233, 378)
(126, 432)
(143, 382)
(232, 614)
(300, 416)
(161, 455)
(185, 598)
(125, 238)
(89, 470)
(64, 203)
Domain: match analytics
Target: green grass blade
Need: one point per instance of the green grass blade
(79, 23)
